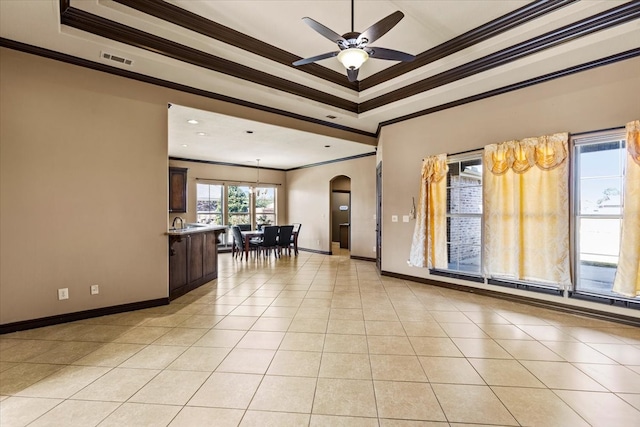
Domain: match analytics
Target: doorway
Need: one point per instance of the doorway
(340, 214)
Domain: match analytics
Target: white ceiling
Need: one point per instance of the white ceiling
(426, 25)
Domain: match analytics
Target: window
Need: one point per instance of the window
(265, 206)
(464, 214)
(599, 177)
(209, 204)
(239, 200)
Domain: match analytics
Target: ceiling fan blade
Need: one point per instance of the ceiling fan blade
(380, 28)
(315, 58)
(389, 54)
(352, 74)
(324, 31)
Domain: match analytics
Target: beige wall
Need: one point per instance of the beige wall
(309, 203)
(602, 98)
(84, 184)
(229, 174)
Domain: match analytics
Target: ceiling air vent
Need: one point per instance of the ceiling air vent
(116, 58)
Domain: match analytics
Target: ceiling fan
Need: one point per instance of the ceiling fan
(354, 47)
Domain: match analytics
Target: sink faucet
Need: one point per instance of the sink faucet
(181, 222)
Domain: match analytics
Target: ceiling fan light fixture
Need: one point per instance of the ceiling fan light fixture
(353, 58)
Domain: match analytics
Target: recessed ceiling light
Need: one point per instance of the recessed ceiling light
(193, 121)
(331, 116)
(184, 145)
(248, 131)
(201, 134)
(327, 146)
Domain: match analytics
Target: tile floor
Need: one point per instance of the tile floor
(323, 341)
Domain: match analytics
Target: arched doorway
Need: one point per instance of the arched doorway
(340, 214)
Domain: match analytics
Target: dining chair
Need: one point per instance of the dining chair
(269, 240)
(238, 242)
(284, 238)
(294, 236)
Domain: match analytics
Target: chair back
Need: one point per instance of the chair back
(296, 227)
(284, 237)
(270, 236)
(237, 235)
(244, 227)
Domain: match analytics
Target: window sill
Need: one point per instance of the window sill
(457, 275)
(528, 286)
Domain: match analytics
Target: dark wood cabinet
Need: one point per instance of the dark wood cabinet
(177, 190)
(193, 261)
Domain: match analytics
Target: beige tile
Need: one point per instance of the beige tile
(225, 390)
(346, 314)
(167, 320)
(22, 375)
(273, 419)
(180, 337)
(338, 421)
(546, 333)
(632, 399)
(409, 423)
(20, 411)
(505, 373)
(314, 312)
(295, 363)
(538, 407)
(200, 359)
(601, 409)
(220, 338)
(624, 354)
(345, 365)
(170, 388)
(240, 323)
(390, 345)
(481, 406)
(191, 416)
(27, 349)
(481, 348)
(308, 325)
(335, 343)
(450, 370)
(505, 332)
(111, 354)
(450, 317)
(435, 346)
(274, 324)
(397, 368)
(261, 339)
(284, 394)
(76, 413)
(154, 357)
(346, 327)
(66, 352)
(344, 397)
(483, 318)
(618, 379)
(117, 385)
(590, 335)
(303, 341)
(383, 327)
(577, 352)
(423, 329)
(142, 335)
(64, 382)
(529, 350)
(247, 361)
(407, 400)
(137, 414)
(7, 365)
(561, 375)
(278, 311)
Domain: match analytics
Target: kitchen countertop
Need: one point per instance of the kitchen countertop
(194, 228)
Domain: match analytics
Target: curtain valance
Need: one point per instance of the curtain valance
(434, 168)
(547, 152)
(633, 140)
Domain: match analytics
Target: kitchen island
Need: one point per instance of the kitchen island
(193, 257)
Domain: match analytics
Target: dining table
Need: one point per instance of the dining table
(250, 234)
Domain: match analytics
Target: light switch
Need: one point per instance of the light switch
(394, 218)
(405, 218)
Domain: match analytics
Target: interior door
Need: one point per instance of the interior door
(379, 217)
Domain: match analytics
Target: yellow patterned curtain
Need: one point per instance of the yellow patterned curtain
(526, 210)
(627, 281)
(429, 243)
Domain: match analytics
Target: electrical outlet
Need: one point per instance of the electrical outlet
(63, 293)
(95, 289)
(374, 249)
(405, 218)
(394, 218)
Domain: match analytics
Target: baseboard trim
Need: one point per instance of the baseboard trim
(315, 251)
(557, 306)
(79, 315)
(363, 258)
